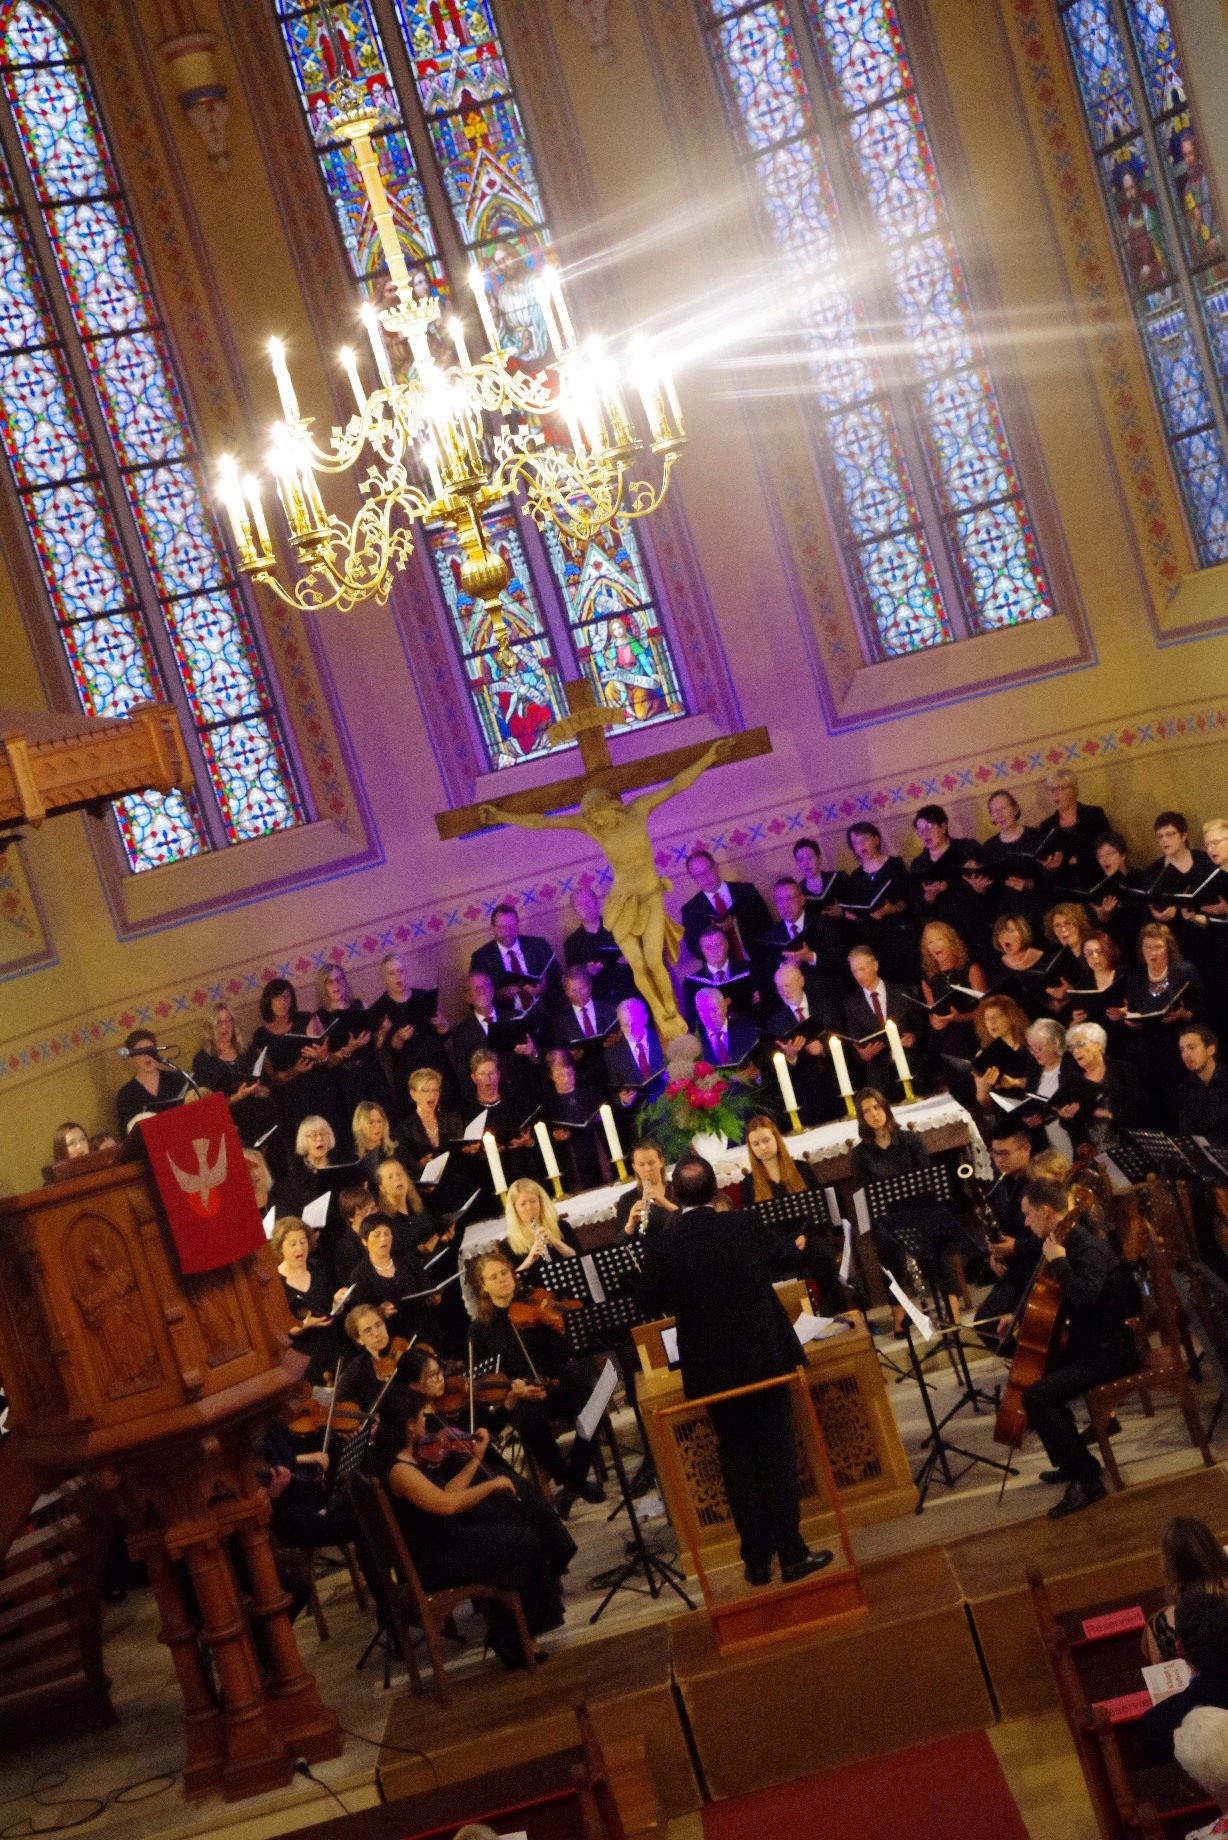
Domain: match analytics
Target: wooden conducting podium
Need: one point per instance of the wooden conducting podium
(143, 1331)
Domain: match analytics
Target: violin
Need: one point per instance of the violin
(1040, 1325)
(488, 1390)
(385, 1364)
(541, 1309)
(437, 1445)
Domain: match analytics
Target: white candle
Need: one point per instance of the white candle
(349, 364)
(547, 1149)
(375, 333)
(285, 389)
(897, 1050)
(785, 1081)
(477, 282)
(545, 301)
(492, 1157)
(611, 1135)
(841, 1066)
(555, 285)
(251, 488)
(457, 330)
(231, 495)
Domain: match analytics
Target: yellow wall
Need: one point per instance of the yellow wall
(1136, 689)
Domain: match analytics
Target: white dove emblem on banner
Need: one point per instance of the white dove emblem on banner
(201, 1185)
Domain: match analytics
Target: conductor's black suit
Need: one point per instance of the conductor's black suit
(712, 1272)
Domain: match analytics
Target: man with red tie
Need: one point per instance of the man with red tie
(725, 1040)
(581, 1025)
(865, 1014)
(803, 1016)
(520, 968)
(717, 971)
(737, 907)
(635, 1064)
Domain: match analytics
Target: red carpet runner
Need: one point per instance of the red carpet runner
(930, 1793)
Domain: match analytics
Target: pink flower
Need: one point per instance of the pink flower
(674, 1088)
(703, 1068)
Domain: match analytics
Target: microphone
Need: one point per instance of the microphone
(127, 1054)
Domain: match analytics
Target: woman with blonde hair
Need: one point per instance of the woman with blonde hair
(223, 1064)
(341, 1022)
(309, 1294)
(427, 1130)
(373, 1139)
(534, 1230)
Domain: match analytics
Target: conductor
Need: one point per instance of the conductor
(712, 1273)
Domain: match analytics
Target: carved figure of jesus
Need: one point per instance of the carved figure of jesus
(635, 906)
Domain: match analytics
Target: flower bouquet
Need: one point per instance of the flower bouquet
(700, 1105)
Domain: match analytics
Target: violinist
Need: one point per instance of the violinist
(1099, 1346)
(309, 1293)
(773, 1172)
(420, 1369)
(466, 1531)
(534, 1230)
(367, 1372)
(306, 1513)
(650, 1205)
(544, 1383)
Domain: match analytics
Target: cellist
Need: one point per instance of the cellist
(1098, 1346)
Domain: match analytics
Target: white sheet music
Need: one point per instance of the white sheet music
(592, 1277)
(316, 1212)
(434, 1169)
(862, 1210)
(909, 1308)
(593, 1410)
(270, 1221)
(258, 1064)
(474, 1129)
(846, 1262)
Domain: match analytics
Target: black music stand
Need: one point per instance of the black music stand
(642, 1561)
(890, 1202)
(1139, 1154)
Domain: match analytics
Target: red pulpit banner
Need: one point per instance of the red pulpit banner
(196, 1161)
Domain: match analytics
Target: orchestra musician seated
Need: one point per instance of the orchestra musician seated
(1202, 1096)
(534, 1230)
(650, 1205)
(366, 1372)
(544, 1382)
(310, 1294)
(1013, 1256)
(1097, 1298)
(773, 1172)
(455, 1532)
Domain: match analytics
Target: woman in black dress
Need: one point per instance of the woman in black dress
(373, 1139)
(1101, 994)
(429, 1129)
(398, 1288)
(883, 1154)
(544, 1382)
(313, 1146)
(955, 984)
(875, 902)
(294, 1065)
(466, 1531)
(310, 1295)
(1104, 1097)
(1020, 961)
(1067, 927)
(1002, 1062)
(341, 1022)
(151, 1088)
(223, 1065)
(773, 1172)
(648, 1206)
(1163, 993)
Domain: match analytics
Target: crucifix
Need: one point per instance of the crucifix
(635, 906)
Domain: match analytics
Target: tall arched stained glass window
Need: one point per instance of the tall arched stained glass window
(920, 473)
(101, 453)
(590, 611)
(1170, 236)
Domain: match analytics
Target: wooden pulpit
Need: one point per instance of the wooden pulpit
(119, 1368)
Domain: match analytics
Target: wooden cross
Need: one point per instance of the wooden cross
(586, 722)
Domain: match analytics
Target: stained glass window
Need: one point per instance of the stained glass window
(73, 520)
(1169, 236)
(860, 136)
(469, 116)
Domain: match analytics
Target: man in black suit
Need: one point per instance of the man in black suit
(1202, 1092)
(1013, 1254)
(484, 1027)
(521, 969)
(581, 1025)
(738, 907)
(594, 946)
(635, 1065)
(803, 932)
(739, 982)
(803, 1015)
(725, 1040)
(713, 1274)
(864, 1014)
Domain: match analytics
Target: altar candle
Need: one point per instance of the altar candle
(841, 1066)
(897, 1050)
(785, 1080)
(496, 1166)
(611, 1135)
(547, 1149)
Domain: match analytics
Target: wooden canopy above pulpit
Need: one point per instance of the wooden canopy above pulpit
(52, 763)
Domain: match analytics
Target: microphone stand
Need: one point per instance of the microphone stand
(173, 1067)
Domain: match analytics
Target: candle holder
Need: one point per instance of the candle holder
(621, 1165)
(910, 1097)
(795, 1123)
(501, 1194)
(850, 1109)
(556, 1183)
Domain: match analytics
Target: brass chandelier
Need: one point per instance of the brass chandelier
(443, 445)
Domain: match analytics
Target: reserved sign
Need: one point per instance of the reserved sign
(1113, 1623)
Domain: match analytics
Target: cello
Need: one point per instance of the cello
(1039, 1336)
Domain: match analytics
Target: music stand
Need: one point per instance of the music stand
(889, 1202)
(642, 1561)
